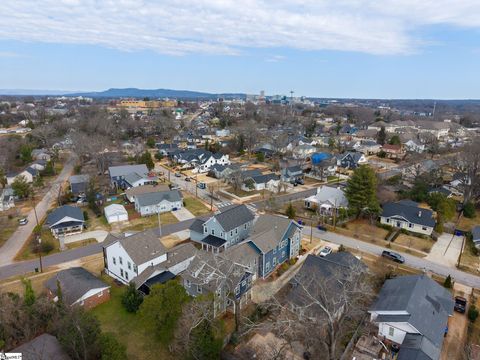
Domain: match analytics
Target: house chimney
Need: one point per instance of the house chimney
(420, 213)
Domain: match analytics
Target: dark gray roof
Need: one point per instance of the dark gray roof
(269, 230)
(64, 211)
(197, 226)
(132, 177)
(154, 198)
(264, 178)
(410, 211)
(428, 304)
(79, 183)
(213, 241)
(418, 347)
(124, 170)
(234, 217)
(75, 283)
(43, 347)
(141, 247)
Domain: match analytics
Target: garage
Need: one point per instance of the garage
(115, 213)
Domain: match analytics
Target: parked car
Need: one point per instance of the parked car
(202, 185)
(23, 221)
(187, 179)
(178, 175)
(393, 256)
(325, 251)
(300, 182)
(174, 187)
(321, 228)
(460, 304)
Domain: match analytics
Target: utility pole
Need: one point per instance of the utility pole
(40, 252)
(34, 207)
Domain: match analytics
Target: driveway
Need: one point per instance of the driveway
(183, 214)
(446, 250)
(98, 235)
(21, 235)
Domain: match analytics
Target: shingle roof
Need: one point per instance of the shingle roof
(264, 178)
(145, 189)
(141, 247)
(418, 347)
(74, 283)
(335, 196)
(410, 211)
(234, 217)
(64, 211)
(197, 226)
(124, 170)
(243, 253)
(268, 230)
(476, 233)
(43, 347)
(133, 177)
(157, 197)
(214, 241)
(428, 304)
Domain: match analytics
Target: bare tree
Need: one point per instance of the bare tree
(467, 165)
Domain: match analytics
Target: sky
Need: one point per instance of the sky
(319, 48)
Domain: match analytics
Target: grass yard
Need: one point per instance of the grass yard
(8, 227)
(78, 244)
(148, 222)
(195, 206)
(414, 242)
(467, 224)
(128, 328)
(27, 251)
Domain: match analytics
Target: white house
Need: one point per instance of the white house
(7, 199)
(127, 256)
(327, 200)
(115, 213)
(406, 214)
(158, 202)
(65, 220)
(29, 174)
(412, 146)
(269, 182)
(412, 311)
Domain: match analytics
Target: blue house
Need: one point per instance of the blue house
(277, 239)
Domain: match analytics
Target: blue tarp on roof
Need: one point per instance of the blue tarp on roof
(319, 157)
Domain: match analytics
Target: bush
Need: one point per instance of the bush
(46, 247)
(110, 348)
(158, 156)
(132, 298)
(85, 215)
(341, 248)
(469, 210)
(448, 282)
(472, 313)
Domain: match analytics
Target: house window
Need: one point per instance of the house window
(231, 233)
(237, 290)
(424, 228)
(391, 331)
(410, 225)
(126, 275)
(199, 289)
(283, 254)
(245, 226)
(100, 294)
(388, 220)
(120, 260)
(205, 229)
(268, 265)
(236, 230)
(213, 231)
(121, 272)
(135, 268)
(129, 265)
(274, 251)
(274, 261)
(114, 261)
(187, 282)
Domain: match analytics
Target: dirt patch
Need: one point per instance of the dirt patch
(415, 242)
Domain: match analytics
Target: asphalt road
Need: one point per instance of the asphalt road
(16, 241)
(24, 267)
(410, 260)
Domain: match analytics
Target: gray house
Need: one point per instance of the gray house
(412, 311)
(79, 184)
(228, 227)
(119, 173)
(210, 273)
(158, 202)
(65, 220)
(292, 174)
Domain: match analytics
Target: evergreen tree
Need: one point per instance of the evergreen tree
(290, 212)
(29, 297)
(205, 344)
(395, 140)
(132, 298)
(381, 136)
(448, 282)
(361, 192)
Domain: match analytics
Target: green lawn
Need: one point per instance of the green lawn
(128, 328)
(195, 206)
(27, 251)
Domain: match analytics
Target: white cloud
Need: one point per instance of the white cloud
(229, 27)
(9, 54)
(275, 58)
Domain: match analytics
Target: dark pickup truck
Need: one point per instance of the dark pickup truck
(460, 304)
(393, 256)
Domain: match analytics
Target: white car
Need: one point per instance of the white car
(325, 251)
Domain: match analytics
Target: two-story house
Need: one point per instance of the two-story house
(412, 311)
(126, 256)
(351, 160)
(210, 273)
(226, 228)
(292, 174)
(277, 239)
(406, 214)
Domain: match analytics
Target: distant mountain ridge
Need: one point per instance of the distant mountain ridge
(154, 93)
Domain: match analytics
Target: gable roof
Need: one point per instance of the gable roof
(264, 178)
(141, 247)
(427, 303)
(269, 230)
(43, 347)
(131, 178)
(157, 197)
(123, 170)
(410, 211)
(234, 217)
(64, 211)
(74, 283)
(335, 196)
(145, 189)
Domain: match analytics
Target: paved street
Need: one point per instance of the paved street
(21, 235)
(23, 267)
(410, 260)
